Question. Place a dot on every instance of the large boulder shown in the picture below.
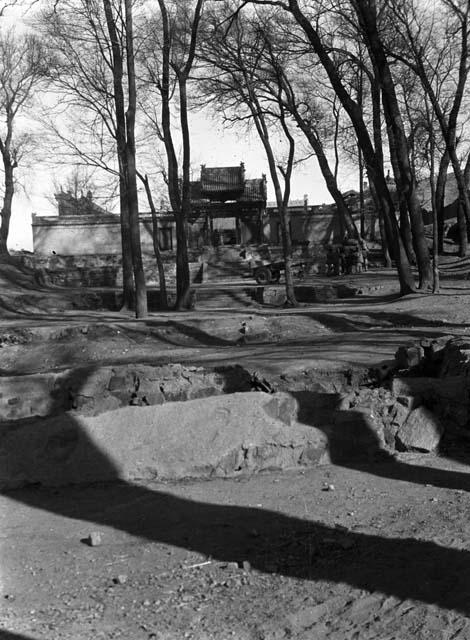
(421, 431)
(217, 436)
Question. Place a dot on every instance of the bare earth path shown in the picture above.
(372, 558)
(374, 552)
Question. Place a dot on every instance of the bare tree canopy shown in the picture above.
(21, 72)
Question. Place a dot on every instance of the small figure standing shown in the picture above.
(243, 331)
(365, 252)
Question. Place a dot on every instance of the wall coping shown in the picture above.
(89, 220)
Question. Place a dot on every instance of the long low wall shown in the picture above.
(104, 270)
(93, 235)
(206, 264)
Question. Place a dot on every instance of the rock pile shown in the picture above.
(432, 384)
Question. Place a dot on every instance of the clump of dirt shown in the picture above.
(15, 336)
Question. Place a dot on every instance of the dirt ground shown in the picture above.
(353, 551)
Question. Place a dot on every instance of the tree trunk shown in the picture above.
(362, 212)
(432, 184)
(464, 196)
(7, 203)
(329, 177)
(126, 243)
(374, 170)
(379, 154)
(366, 14)
(405, 227)
(462, 227)
(449, 125)
(180, 210)
(466, 172)
(156, 245)
(132, 197)
(128, 303)
(440, 198)
(383, 235)
(183, 281)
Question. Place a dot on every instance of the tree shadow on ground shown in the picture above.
(289, 546)
(8, 635)
(380, 320)
(270, 541)
(354, 444)
(197, 335)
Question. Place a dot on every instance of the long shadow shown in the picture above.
(353, 444)
(282, 544)
(271, 541)
(379, 319)
(197, 335)
(9, 635)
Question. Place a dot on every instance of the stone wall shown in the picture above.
(206, 264)
(103, 270)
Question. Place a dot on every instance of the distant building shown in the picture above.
(229, 207)
(68, 205)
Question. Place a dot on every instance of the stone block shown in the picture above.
(409, 357)
(398, 413)
(118, 383)
(220, 436)
(422, 431)
(411, 386)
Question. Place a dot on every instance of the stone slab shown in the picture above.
(455, 388)
(217, 436)
(422, 430)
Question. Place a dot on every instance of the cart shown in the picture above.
(265, 272)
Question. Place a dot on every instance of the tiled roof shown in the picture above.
(254, 191)
(223, 184)
(222, 179)
(69, 205)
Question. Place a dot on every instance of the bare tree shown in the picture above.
(169, 57)
(21, 73)
(370, 28)
(125, 134)
(91, 62)
(155, 239)
(310, 26)
(246, 85)
(441, 62)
